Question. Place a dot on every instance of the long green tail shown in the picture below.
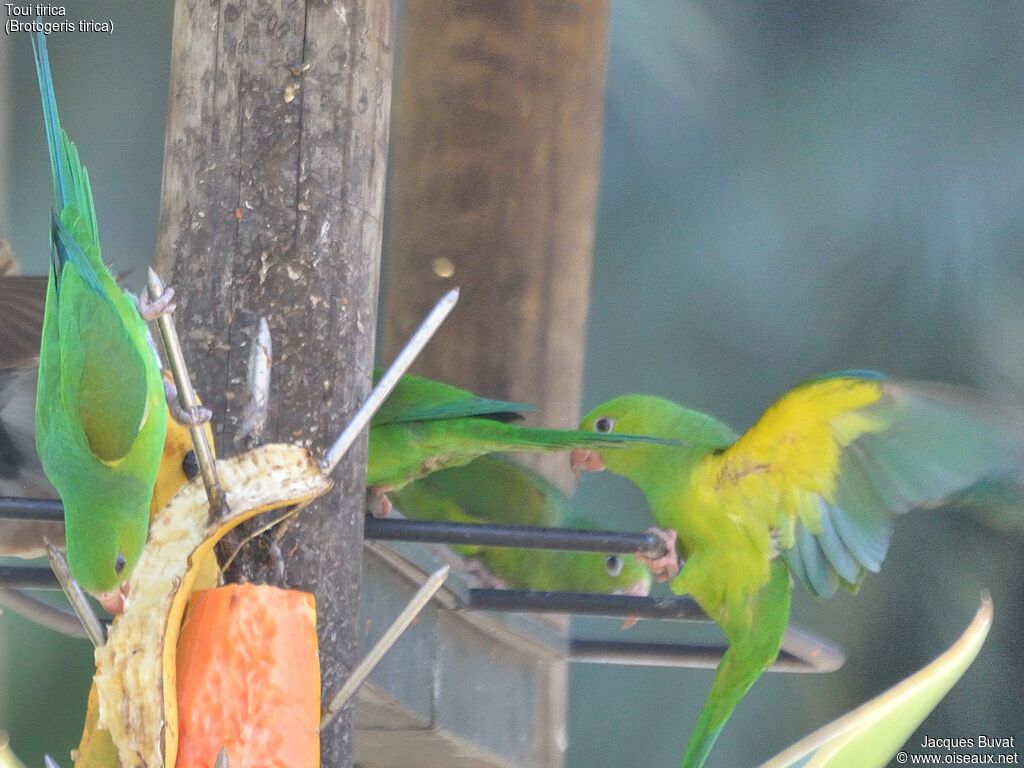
(748, 656)
(75, 233)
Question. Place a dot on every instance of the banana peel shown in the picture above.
(135, 669)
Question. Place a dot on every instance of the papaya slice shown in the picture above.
(249, 678)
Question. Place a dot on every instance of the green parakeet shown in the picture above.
(425, 426)
(100, 410)
(494, 489)
(818, 480)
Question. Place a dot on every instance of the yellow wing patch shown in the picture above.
(791, 455)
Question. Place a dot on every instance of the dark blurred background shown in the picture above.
(787, 189)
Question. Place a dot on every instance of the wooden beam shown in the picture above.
(495, 169)
(274, 168)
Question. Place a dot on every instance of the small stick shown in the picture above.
(93, 626)
(380, 393)
(222, 759)
(390, 378)
(187, 395)
(43, 614)
(388, 639)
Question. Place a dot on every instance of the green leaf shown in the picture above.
(869, 736)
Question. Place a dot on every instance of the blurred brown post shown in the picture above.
(495, 166)
(496, 159)
(274, 169)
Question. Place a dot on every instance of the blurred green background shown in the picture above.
(788, 188)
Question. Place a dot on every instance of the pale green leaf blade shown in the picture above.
(870, 735)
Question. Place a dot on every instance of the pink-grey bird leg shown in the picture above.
(192, 418)
(476, 568)
(380, 504)
(665, 567)
(151, 309)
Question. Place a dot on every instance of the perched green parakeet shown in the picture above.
(100, 410)
(494, 489)
(426, 425)
(818, 479)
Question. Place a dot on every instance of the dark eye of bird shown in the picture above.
(613, 564)
(190, 465)
(604, 424)
(119, 563)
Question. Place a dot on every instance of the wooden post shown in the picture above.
(274, 169)
(495, 164)
(494, 187)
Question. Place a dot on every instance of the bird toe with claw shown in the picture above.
(380, 505)
(664, 567)
(193, 418)
(151, 309)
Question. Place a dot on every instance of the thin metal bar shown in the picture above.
(668, 654)
(382, 646)
(187, 395)
(517, 536)
(43, 613)
(15, 577)
(390, 378)
(690, 656)
(90, 621)
(41, 510)
(584, 604)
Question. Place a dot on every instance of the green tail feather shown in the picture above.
(750, 652)
(75, 232)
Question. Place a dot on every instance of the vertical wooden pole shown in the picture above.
(274, 170)
(495, 164)
(494, 187)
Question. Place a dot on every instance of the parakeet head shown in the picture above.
(651, 417)
(604, 574)
(102, 559)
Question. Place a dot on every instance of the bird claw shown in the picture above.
(476, 569)
(665, 567)
(152, 309)
(380, 505)
(193, 418)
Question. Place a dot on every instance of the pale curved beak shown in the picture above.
(114, 602)
(640, 589)
(582, 460)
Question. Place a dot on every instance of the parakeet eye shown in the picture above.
(604, 424)
(613, 564)
(190, 465)
(119, 563)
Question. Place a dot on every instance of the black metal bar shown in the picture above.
(515, 536)
(16, 577)
(826, 659)
(584, 604)
(45, 510)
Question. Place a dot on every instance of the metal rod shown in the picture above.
(390, 378)
(41, 510)
(187, 395)
(690, 656)
(382, 646)
(15, 577)
(93, 626)
(517, 536)
(43, 613)
(585, 604)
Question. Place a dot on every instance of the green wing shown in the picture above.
(418, 399)
(938, 441)
(496, 490)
